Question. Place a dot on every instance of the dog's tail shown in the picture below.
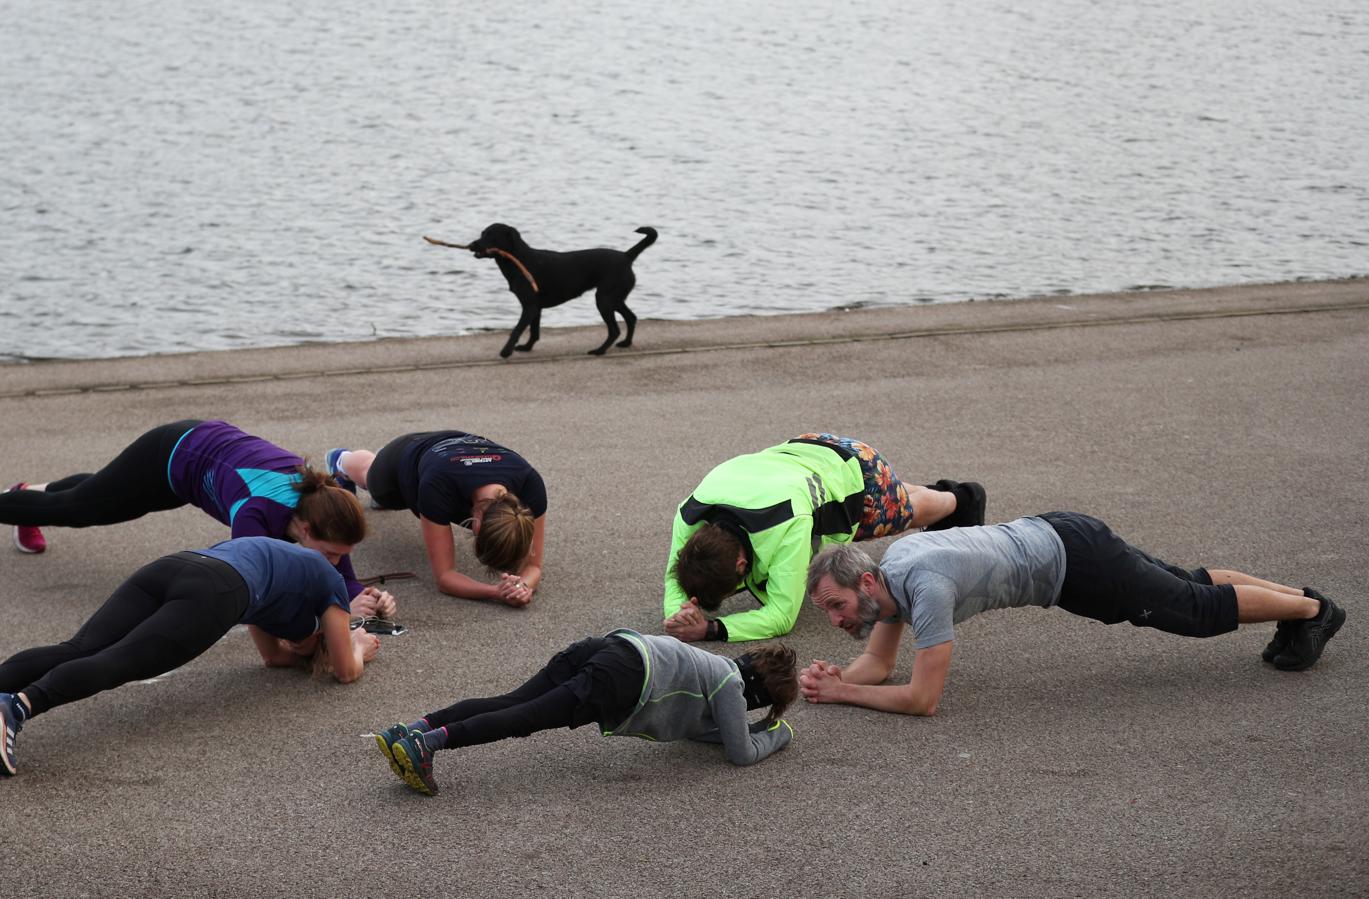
(642, 244)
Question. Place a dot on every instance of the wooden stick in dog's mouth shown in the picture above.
(521, 267)
(442, 243)
(505, 253)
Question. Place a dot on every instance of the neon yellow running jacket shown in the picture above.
(788, 500)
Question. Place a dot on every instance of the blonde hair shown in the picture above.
(505, 536)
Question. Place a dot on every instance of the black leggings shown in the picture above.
(1109, 580)
(169, 612)
(599, 679)
(134, 484)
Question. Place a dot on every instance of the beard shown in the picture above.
(867, 609)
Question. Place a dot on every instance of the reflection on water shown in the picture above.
(185, 176)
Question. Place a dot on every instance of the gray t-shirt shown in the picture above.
(940, 578)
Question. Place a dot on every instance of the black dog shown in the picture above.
(545, 278)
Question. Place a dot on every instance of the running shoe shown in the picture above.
(1283, 633)
(970, 499)
(331, 464)
(416, 759)
(1308, 639)
(27, 538)
(386, 740)
(9, 726)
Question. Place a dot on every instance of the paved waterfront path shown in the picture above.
(1225, 427)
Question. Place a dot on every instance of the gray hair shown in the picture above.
(844, 563)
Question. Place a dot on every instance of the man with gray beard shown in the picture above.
(933, 580)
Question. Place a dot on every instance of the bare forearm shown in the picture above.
(346, 674)
(867, 668)
(273, 653)
(454, 583)
(531, 574)
(898, 698)
(282, 658)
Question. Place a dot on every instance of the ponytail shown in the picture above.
(333, 514)
(505, 536)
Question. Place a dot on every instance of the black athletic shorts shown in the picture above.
(605, 673)
(382, 481)
(1111, 581)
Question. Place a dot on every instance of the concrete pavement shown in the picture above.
(1222, 427)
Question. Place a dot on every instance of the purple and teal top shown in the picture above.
(243, 481)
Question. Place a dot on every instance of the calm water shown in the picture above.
(183, 175)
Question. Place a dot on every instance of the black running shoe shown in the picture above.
(1279, 642)
(1285, 628)
(1307, 639)
(970, 499)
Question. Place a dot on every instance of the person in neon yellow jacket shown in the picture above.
(755, 521)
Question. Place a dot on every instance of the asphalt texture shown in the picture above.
(1221, 427)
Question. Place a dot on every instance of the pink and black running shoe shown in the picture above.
(27, 538)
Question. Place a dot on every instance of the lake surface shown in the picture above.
(182, 176)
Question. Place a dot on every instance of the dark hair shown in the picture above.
(777, 666)
(706, 566)
(505, 534)
(333, 514)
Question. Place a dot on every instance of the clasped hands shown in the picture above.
(373, 603)
(369, 643)
(689, 624)
(819, 681)
(513, 590)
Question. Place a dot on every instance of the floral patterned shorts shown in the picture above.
(888, 510)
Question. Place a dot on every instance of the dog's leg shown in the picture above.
(510, 345)
(534, 332)
(614, 299)
(630, 320)
(606, 302)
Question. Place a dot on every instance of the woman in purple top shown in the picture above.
(249, 484)
(293, 602)
(454, 478)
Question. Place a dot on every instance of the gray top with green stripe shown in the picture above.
(690, 694)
